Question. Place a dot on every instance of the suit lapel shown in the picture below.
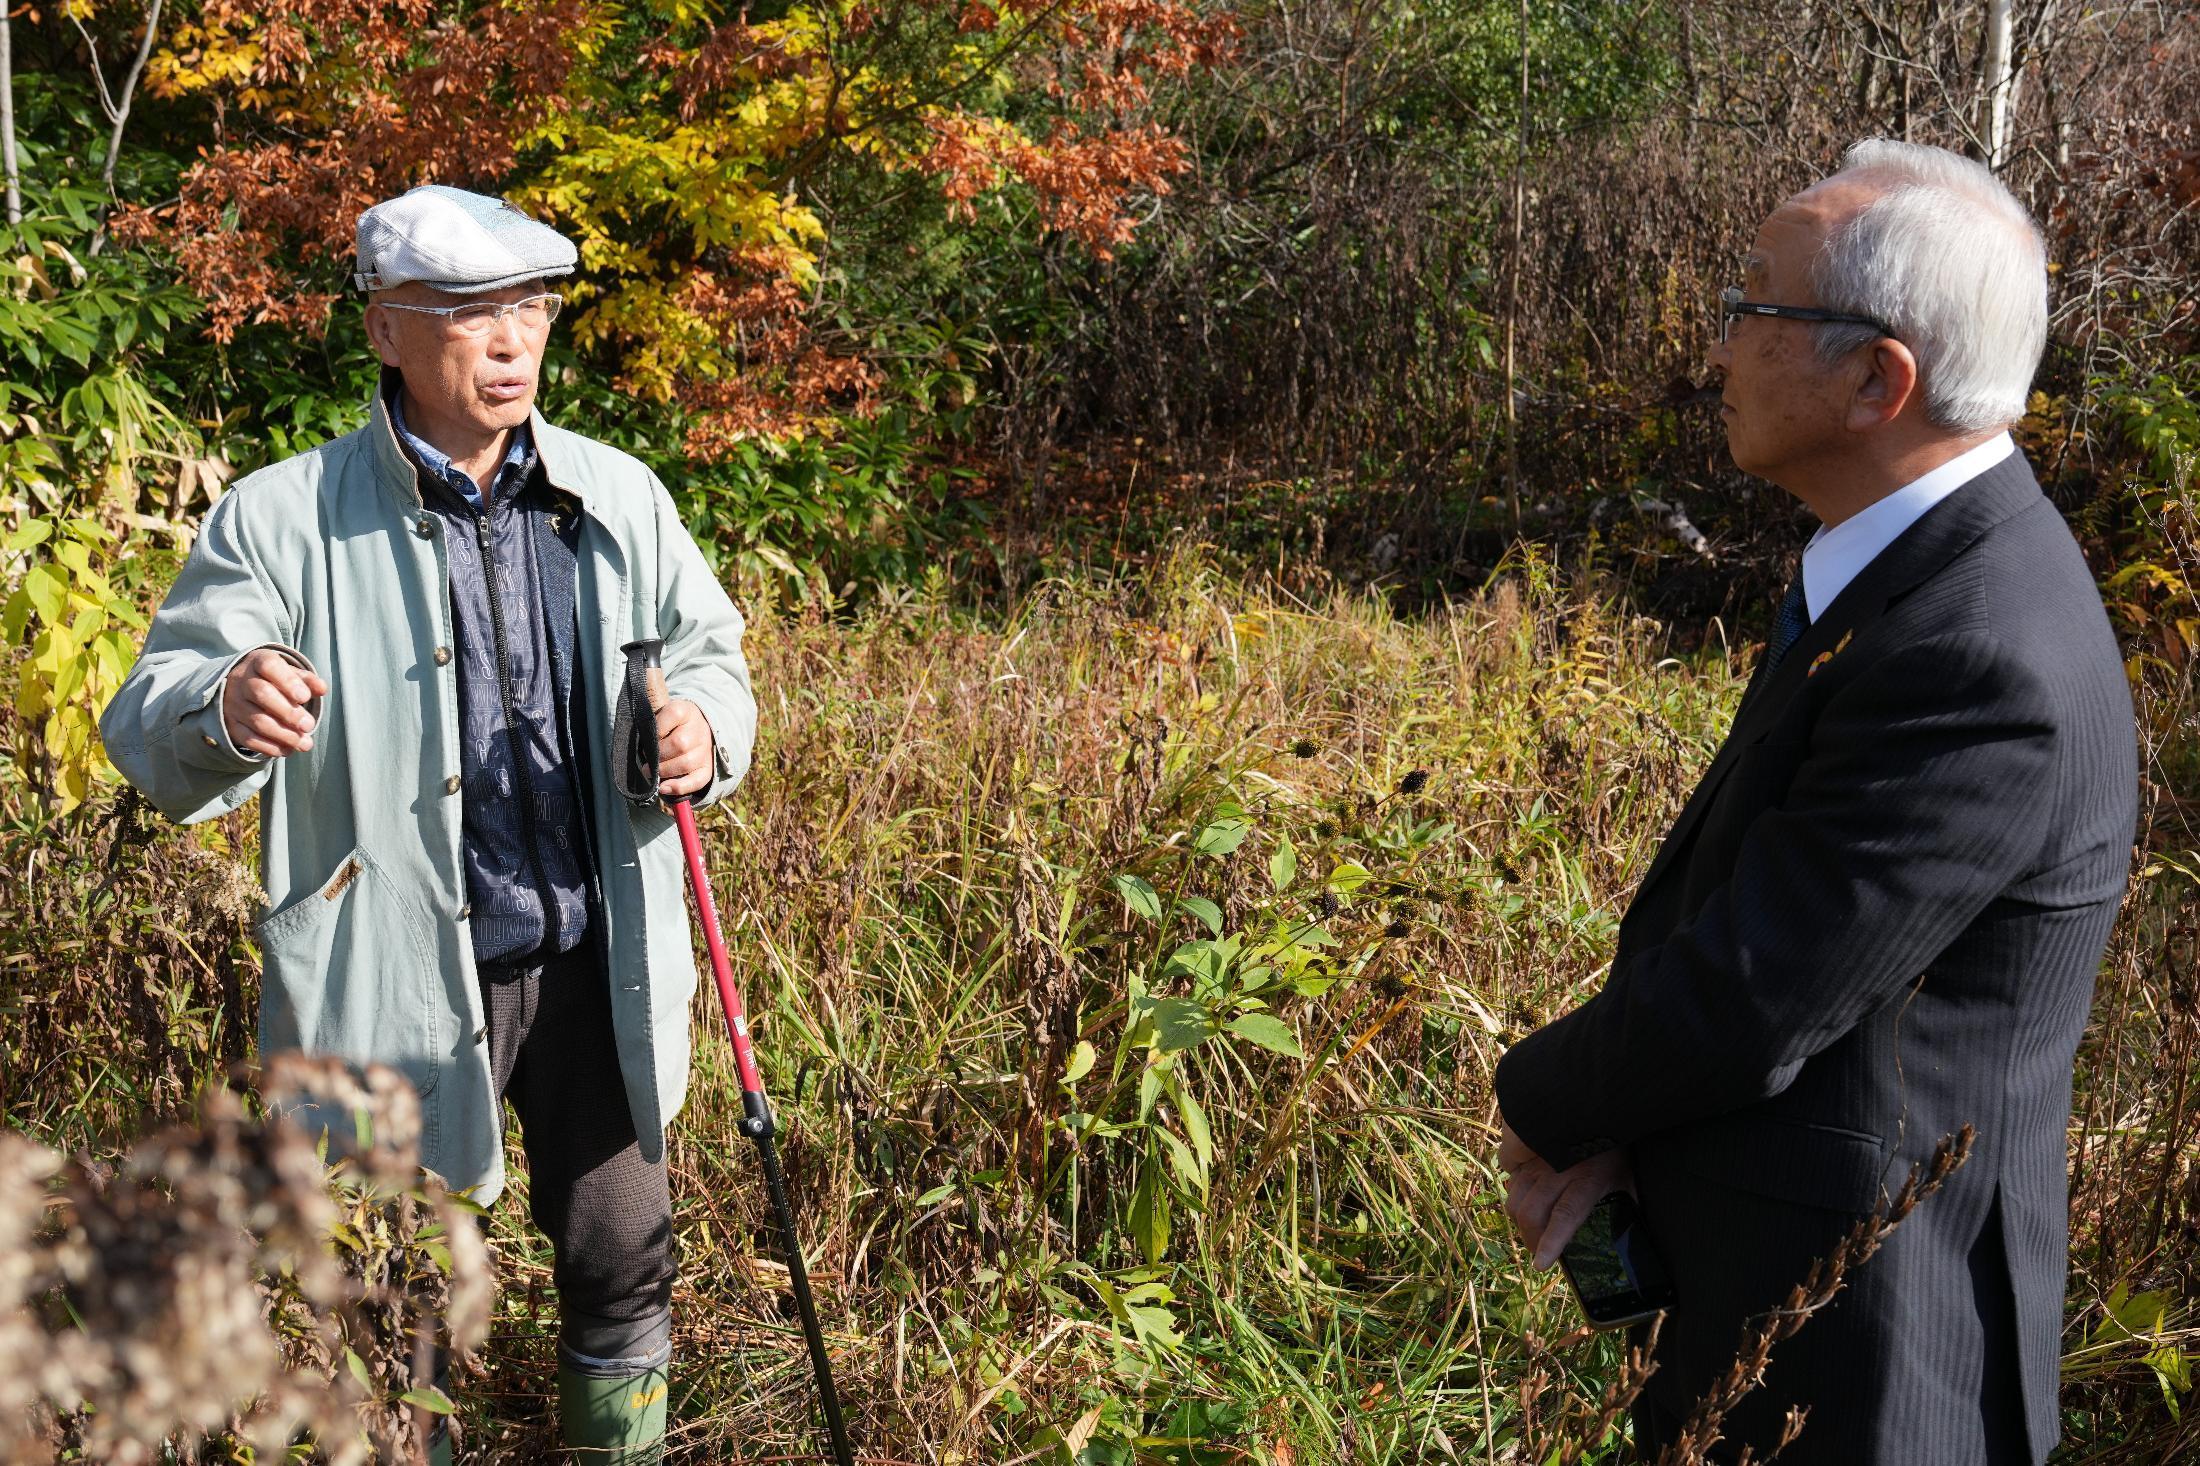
(1940, 534)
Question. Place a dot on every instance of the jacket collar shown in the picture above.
(1939, 535)
(395, 469)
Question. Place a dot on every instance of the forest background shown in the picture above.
(1242, 567)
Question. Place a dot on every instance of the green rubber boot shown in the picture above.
(439, 1449)
(613, 1422)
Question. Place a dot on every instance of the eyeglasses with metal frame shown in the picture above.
(1732, 305)
(480, 317)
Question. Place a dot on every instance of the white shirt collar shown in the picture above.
(1836, 556)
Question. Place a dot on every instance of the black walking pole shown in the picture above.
(636, 743)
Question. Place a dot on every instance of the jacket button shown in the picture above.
(208, 740)
(425, 528)
(466, 912)
(450, 785)
(481, 1035)
(442, 656)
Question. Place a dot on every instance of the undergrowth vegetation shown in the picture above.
(1130, 970)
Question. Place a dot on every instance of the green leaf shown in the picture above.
(1140, 897)
(1149, 1214)
(1349, 877)
(1269, 1031)
(48, 590)
(29, 535)
(1283, 866)
(428, 1397)
(1222, 837)
(1195, 1125)
(1202, 960)
(936, 1195)
(1080, 1062)
(360, 1372)
(1184, 1163)
(1179, 1024)
(1205, 910)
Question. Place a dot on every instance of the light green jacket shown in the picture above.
(331, 558)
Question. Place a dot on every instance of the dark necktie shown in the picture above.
(1788, 624)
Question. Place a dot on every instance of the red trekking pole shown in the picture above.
(756, 1114)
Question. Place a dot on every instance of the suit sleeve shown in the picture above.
(1918, 803)
(163, 729)
(702, 653)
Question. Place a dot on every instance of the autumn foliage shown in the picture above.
(677, 144)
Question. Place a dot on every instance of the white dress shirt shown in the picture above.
(1836, 556)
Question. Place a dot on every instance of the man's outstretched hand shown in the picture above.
(684, 749)
(1549, 1206)
(264, 704)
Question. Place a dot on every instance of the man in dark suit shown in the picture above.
(1879, 917)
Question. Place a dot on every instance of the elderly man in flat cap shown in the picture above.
(409, 640)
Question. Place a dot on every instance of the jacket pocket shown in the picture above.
(1797, 1161)
(345, 970)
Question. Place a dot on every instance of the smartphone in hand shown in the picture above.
(1614, 1268)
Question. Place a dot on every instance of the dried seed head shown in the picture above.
(1397, 929)
(1328, 904)
(1325, 829)
(1391, 986)
(1414, 782)
(1303, 748)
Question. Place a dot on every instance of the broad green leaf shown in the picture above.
(48, 590)
(1269, 1031)
(1179, 1024)
(1349, 877)
(1080, 1062)
(1283, 866)
(1203, 960)
(1221, 837)
(29, 535)
(1140, 897)
(1205, 910)
(428, 1398)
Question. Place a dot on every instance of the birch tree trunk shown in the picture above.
(1999, 83)
(7, 120)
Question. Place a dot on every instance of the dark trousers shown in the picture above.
(606, 1210)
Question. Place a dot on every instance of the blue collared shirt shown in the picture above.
(524, 837)
(519, 458)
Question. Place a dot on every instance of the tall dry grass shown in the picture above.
(1130, 967)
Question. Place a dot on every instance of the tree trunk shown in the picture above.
(7, 120)
(119, 112)
(1997, 80)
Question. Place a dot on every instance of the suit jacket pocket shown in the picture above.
(1826, 1166)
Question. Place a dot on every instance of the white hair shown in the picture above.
(1948, 260)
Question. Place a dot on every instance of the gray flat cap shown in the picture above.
(456, 241)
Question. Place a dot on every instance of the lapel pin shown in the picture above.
(1824, 657)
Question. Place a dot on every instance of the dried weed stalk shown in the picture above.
(224, 1282)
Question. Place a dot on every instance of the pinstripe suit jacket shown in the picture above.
(1877, 920)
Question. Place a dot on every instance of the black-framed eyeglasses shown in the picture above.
(480, 317)
(1732, 305)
